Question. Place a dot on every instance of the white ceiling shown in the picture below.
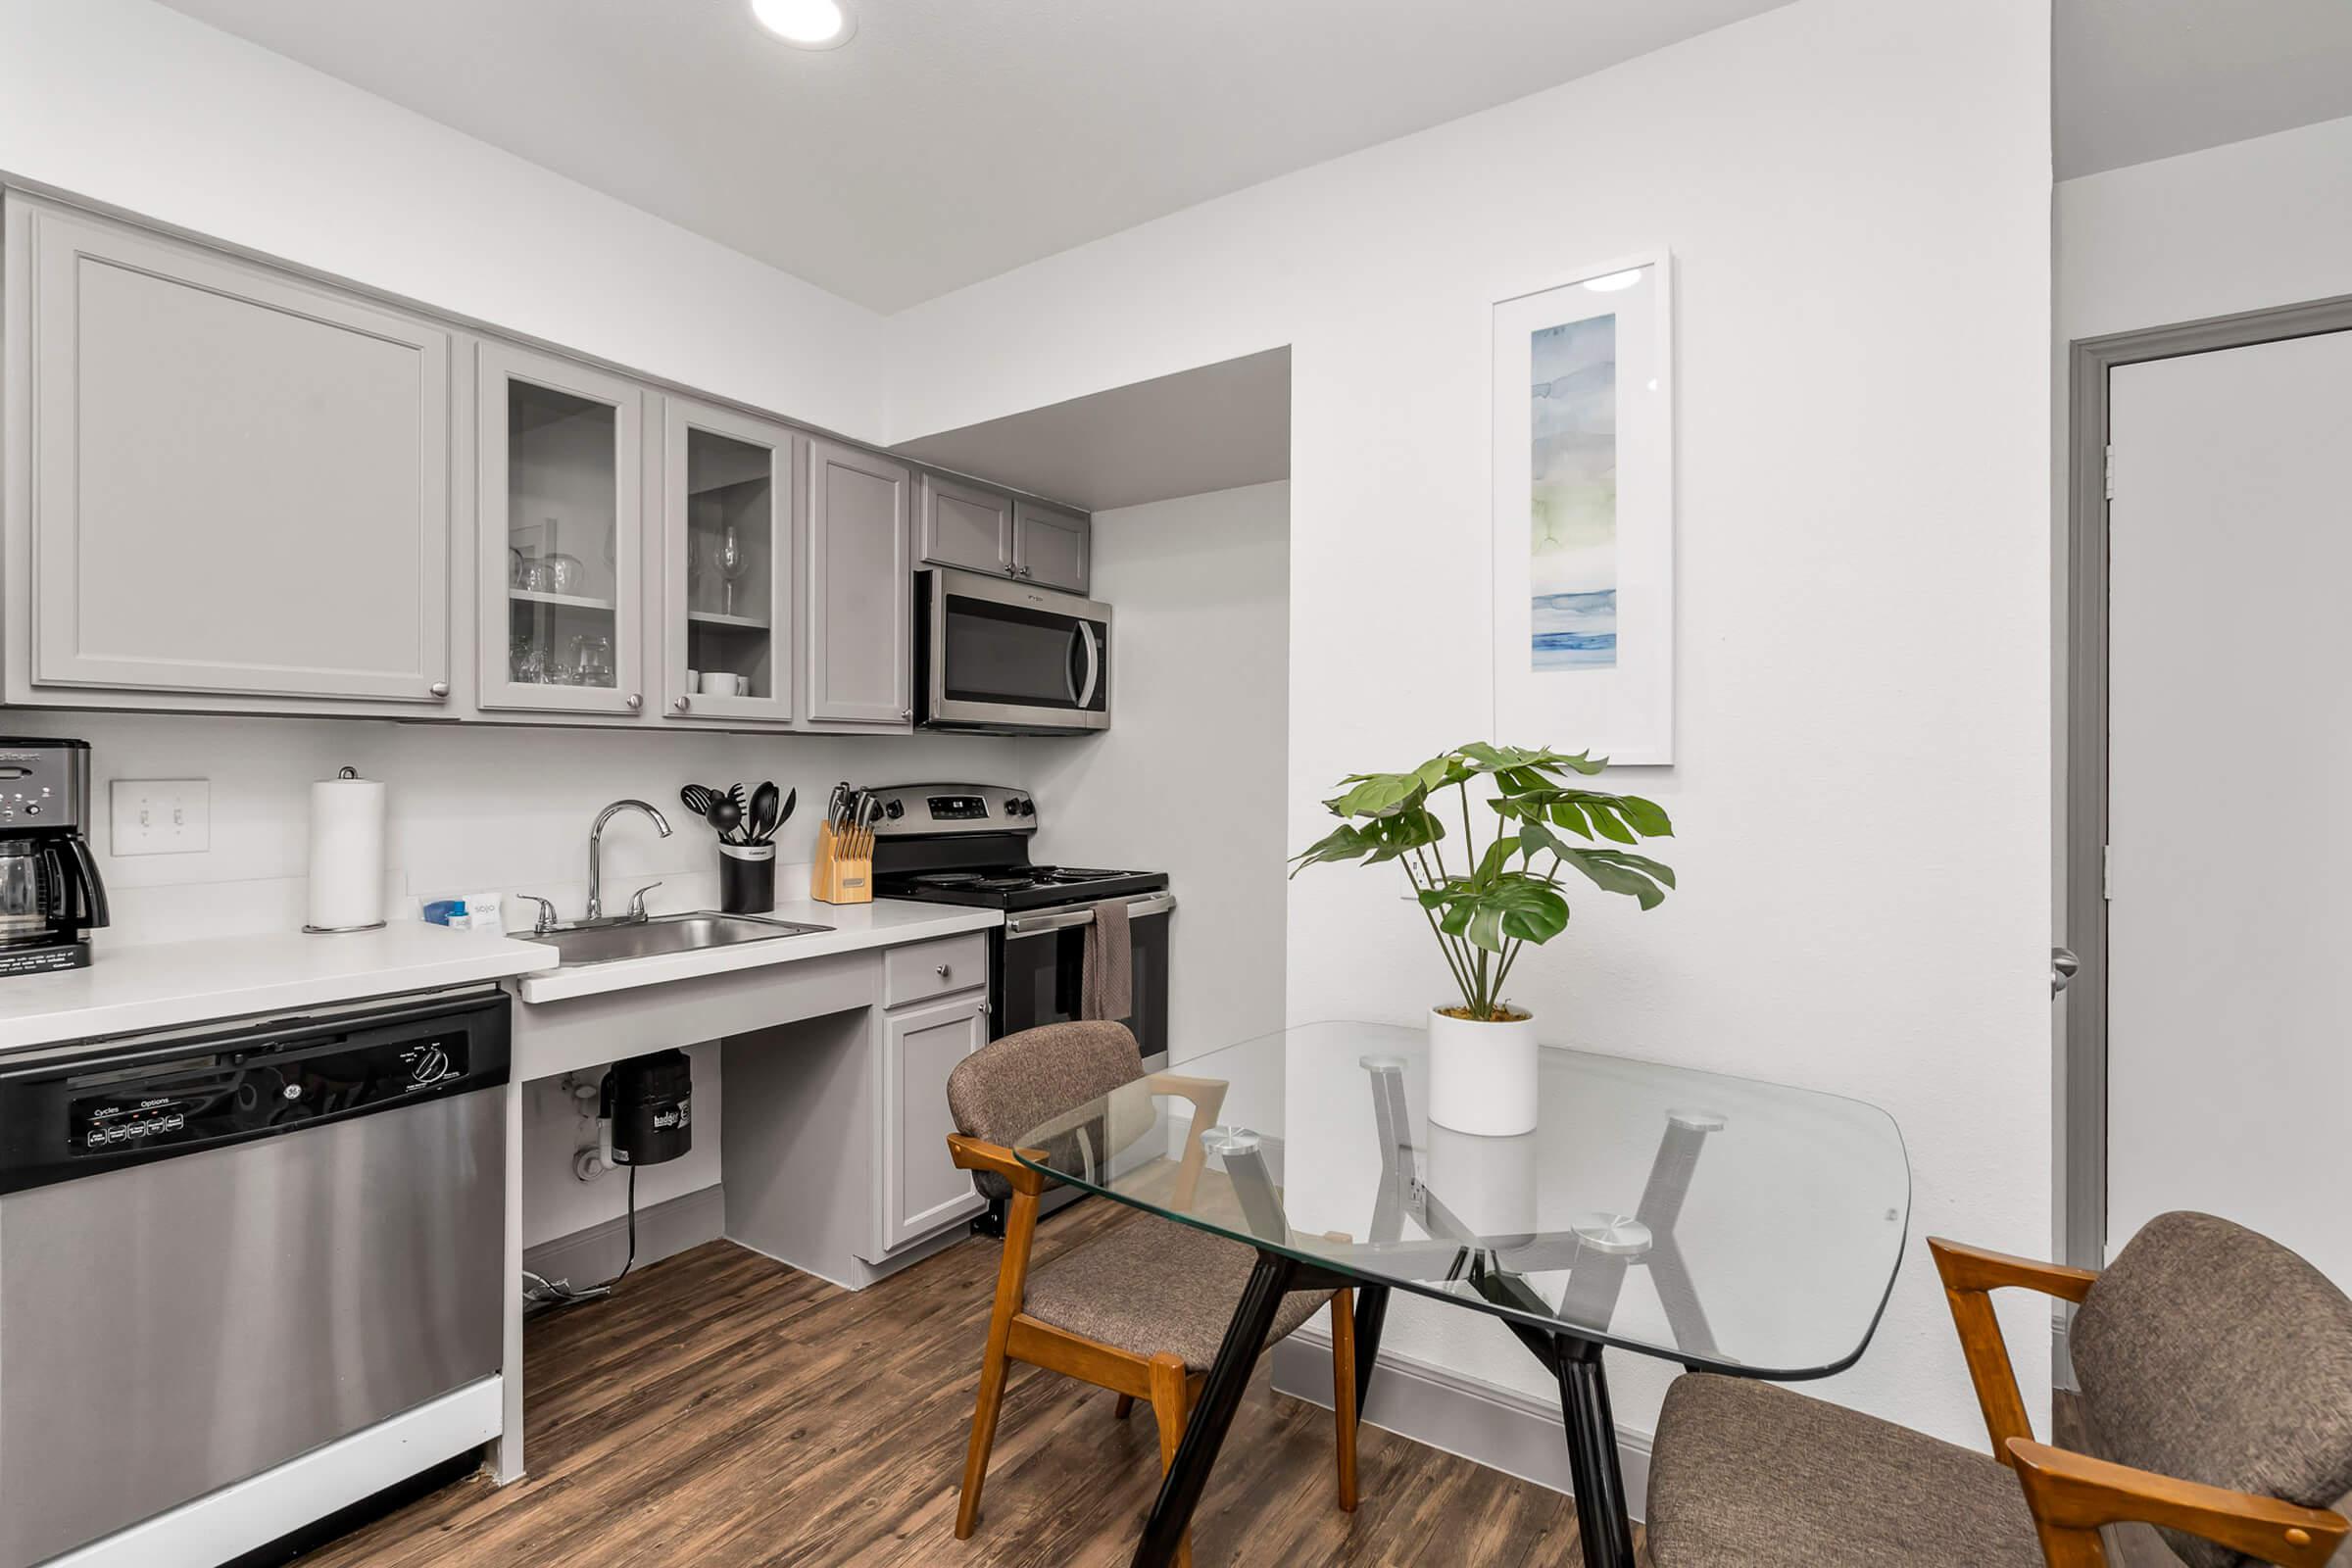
(950, 140)
(1214, 427)
(2142, 80)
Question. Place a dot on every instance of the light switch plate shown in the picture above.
(162, 816)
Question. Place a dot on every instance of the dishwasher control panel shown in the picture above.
(100, 1110)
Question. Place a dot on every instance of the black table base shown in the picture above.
(1602, 1525)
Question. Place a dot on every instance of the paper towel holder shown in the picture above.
(335, 930)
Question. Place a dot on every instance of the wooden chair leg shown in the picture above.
(1343, 1391)
(993, 1367)
(1012, 1276)
(1122, 1407)
(1171, 1405)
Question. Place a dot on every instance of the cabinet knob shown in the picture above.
(943, 971)
(906, 712)
(636, 701)
(680, 704)
(439, 687)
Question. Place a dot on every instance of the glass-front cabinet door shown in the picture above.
(726, 566)
(562, 600)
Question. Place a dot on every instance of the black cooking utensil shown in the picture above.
(725, 815)
(763, 813)
(697, 798)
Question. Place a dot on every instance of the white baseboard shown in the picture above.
(236, 1519)
(1482, 1422)
(665, 1229)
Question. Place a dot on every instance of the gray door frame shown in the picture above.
(2088, 363)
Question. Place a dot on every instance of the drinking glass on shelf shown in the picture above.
(734, 560)
(592, 660)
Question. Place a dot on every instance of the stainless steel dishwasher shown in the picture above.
(223, 1248)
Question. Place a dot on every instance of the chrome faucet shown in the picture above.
(596, 851)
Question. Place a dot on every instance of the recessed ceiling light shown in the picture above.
(1611, 282)
(805, 24)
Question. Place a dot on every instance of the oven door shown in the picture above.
(1041, 965)
(1006, 657)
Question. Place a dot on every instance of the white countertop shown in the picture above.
(856, 927)
(165, 984)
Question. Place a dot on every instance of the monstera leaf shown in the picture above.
(1507, 896)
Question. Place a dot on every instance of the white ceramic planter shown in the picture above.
(1482, 1076)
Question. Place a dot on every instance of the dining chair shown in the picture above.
(1139, 1310)
(2215, 1373)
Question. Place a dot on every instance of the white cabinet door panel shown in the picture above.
(921, 1190)
(240, 479)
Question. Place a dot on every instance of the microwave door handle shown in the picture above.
(92, 892)
(1094, 664)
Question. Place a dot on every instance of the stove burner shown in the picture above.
(946, 879)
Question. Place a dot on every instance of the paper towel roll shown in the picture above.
(347, 853)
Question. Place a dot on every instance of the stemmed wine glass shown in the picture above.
(734, 560)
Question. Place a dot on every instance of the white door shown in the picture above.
(2229, 921)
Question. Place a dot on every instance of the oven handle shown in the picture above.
(1033, 925)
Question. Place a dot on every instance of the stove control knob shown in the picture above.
(894, 811)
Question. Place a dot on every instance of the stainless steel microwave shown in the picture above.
(1008, 657)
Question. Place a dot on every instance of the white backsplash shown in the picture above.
(472, 808)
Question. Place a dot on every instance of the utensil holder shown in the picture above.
(844, 870)
(747, 878)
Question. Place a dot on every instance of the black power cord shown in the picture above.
(541, 1294)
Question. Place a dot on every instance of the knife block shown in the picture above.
(843, 871)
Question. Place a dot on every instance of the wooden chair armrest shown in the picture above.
(2072, 1494)
(1970, 1275)
(1975, 1268)
(973, 1153)
(1207, 1096)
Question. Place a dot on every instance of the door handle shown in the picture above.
(2063, 965)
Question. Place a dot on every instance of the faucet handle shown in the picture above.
(546, 913)
(637, 900)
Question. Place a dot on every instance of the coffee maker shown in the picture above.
(50, 894)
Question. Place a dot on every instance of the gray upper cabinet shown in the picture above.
(962, 525)
(1049, 547)
(858, 653)
(237, 481)
(558, 505)
(728, 579)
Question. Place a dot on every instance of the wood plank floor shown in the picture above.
(725, 1410)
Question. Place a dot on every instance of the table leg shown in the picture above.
(1601, 1525)
(1220, 1396)
(1371, 1311)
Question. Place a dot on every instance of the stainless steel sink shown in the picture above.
(611, 942)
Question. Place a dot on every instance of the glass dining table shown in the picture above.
(1723, 1223)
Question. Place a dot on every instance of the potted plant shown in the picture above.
(1487, 906)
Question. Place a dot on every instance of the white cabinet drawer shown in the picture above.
(934, 969)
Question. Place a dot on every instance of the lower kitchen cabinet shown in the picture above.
(921, 1043)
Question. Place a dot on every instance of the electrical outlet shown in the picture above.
(162, 816)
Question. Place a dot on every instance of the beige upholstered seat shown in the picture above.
(2206, 1355)
(1749, 1475)
(1153, 1285)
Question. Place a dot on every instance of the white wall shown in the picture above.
(127, 102)
(1190, 778)
(1857, 196)
(2240, 227)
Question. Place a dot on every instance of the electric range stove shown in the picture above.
(968, 843)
